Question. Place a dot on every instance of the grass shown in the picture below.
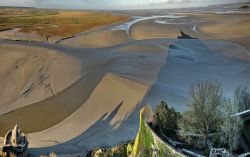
(165, 151)
(144, 140)
(147, 141)
(54, 22)
(144, 143)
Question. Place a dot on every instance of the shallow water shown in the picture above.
(126, 26)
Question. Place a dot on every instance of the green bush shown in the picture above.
(167, 118)
(216, 141)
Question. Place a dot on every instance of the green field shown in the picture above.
(54, 22)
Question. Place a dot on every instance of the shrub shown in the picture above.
(231, 126)
(216, 141)
(204, 116)
(167, 118)
(242, 98)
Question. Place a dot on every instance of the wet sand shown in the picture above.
(129, 83)
(30, 74)
(126, 68)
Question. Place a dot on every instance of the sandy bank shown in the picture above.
(16, 34)
(95, 64)
(31, 74)
(97, 39)
(110, 111)
(147, 30)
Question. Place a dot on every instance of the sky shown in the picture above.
(112, 4)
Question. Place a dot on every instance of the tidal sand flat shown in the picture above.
(105, 115)
(30, 74)
(192, 60)
(224, 26)
(97, 39)
(86, 89)
(106, 76)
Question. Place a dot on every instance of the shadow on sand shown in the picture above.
(94, 137)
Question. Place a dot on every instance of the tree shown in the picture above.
(242, 98)
(231, 126)
(204, 114)
(167, 118)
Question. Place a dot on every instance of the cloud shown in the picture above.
(16, 2)
(161, 4)
(108, 4)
